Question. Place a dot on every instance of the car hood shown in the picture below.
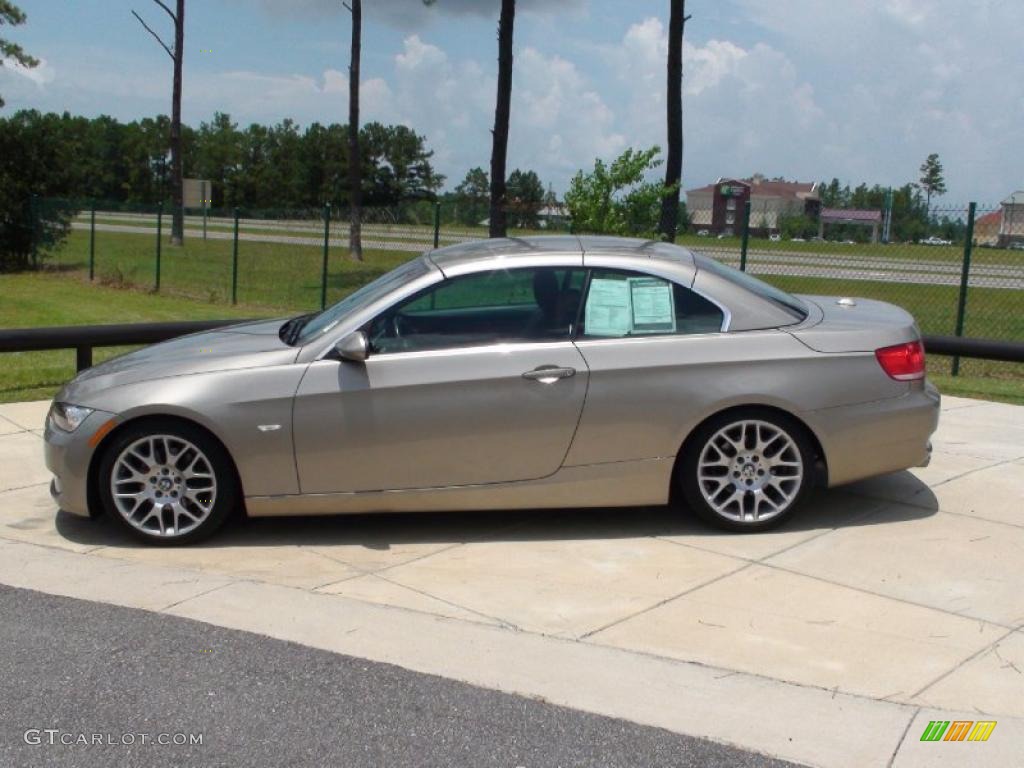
(249, 345)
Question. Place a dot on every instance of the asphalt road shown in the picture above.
(768, 262)
(79, 668)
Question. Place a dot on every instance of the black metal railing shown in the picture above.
(83, 338)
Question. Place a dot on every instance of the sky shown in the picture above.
(862, 90)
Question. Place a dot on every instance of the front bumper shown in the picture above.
(68, 455)
(876, 438)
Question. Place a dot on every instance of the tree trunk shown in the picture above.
(355, 163)
(177, 171)
(674, 103)
(502, 111)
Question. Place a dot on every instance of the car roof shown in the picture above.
(533, 249)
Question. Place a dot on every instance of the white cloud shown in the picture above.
(899, 79)
(42, 74)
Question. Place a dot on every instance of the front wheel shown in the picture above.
(747, 470)
(167, 482)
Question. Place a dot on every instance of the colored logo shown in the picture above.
(958, 730)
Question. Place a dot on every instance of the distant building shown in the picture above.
(554, 216)
(856, 216)
(986, 228)
(718, 207)
(1011, 229)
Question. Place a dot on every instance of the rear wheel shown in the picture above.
(747, 470)
(167, 482)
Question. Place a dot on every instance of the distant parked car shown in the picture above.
(935, 241)
(1016, 246)
(702, 233)
(848, 242)
(797, 240)
(775, 238)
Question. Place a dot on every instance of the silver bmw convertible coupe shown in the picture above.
(517, 373)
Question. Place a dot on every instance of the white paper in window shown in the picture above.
(608, 311)
(653, 305)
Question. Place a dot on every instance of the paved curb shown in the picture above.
(798, 723)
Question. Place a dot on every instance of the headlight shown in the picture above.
(68, 417)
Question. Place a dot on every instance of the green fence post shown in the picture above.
(234, 263)
(965, 272)
(327, 244)
(437, 223)
(746, 236)
(159, 233)
(92, 242)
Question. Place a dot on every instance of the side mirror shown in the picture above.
(354, 348)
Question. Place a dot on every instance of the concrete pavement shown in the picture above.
(833, 641)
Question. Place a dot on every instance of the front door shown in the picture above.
(473, 381)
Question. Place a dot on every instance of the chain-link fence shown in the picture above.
(964, 279)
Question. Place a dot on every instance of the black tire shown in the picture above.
(689, 481)
(225, 492)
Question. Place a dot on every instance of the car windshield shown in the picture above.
(323, 322)
(786, 301)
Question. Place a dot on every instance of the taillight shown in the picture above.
(903, 362)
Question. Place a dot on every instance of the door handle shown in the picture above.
(549, 374)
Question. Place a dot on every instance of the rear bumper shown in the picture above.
(876, 438)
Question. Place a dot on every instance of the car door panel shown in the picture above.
(437, 418)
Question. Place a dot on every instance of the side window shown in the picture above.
(509, 305)
(623, 304)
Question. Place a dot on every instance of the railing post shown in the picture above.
(437, 223)
(92, 242)
(965, 273)
(327, 244)
(83, 358)
(746, 236)
(234, 263)
(159, 236)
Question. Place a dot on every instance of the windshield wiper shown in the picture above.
(291, 329)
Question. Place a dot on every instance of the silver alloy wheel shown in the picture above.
(163, 485)
(750, 471)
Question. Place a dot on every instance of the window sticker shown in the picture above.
(609, 308)
(653, 305)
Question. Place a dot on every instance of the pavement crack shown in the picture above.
(972, 471)
(648, 609)
(176, 603)
(963, 662)
(23, 487)
(903, 736)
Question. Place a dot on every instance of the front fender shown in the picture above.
(249, 411)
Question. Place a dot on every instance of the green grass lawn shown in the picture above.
(269, 274)
(32, 299)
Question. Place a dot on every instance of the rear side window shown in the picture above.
(621, 304)
(779, 298)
